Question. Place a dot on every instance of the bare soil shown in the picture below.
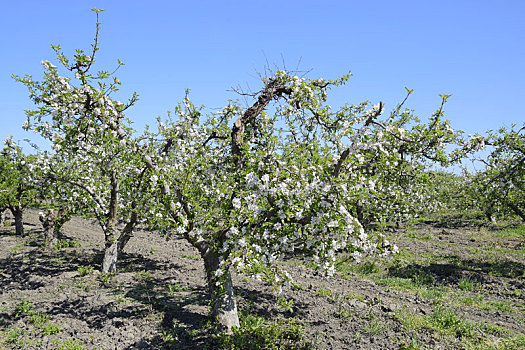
(158, 300)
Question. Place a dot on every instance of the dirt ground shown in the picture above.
(451, 287)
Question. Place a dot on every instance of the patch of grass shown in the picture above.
(374, 326)
(85, 270)
(25, 307)
(324, 292)
(511, 232)
(174, 288)
(425, 236)
(467, 284)
(257, 333)
(356, 296)
(50, 329)
(142, 276)
(70, 344)
(14, 334)
(106, 278)
(190, 256)
(67, 243)
(344, 312)
(398, 282)
(447, 321)
(504, 305)
(39, 319)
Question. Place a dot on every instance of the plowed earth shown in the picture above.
(452, 287)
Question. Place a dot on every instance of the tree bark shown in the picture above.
(19, 221)
(48, 221)
(2, 216)
(517, 210)
(115, 246)
(224, 306)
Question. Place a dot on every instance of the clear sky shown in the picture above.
(472, 49)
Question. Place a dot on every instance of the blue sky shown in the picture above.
(473, 50)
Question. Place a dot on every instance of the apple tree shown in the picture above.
(94, 159)
(287, 175)
(18, 182)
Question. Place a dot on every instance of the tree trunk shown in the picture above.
(19, 222)
(48, 221)
(224, 307)
(109, 264)
(115, 246)
(490, 216)
(2, 216)
(517, 210)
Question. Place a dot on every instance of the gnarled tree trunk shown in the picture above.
(48, 221)
(224, 306)
(52, 222)
(115, 245)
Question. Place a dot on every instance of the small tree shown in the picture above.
(95, 161)
(18, 182)
(501, 184)
(249, 186)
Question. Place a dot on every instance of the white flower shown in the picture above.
(236, 202)
(333, 223)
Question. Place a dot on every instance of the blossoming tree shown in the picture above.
(18, 182)
(94, 159)
(500, 186)
(249, 186)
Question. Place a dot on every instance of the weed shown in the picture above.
(25, 307)
(465, 283)
(374, 326)
(70, 344)
(324, 292)
(344, 312)
(50, 329)
(18, 248)
(39, 319)
(190, 256)
(285, 304)
(14, 334)
(297, 286)
(142, 276)
(85, 270)
(414, 344)
(106, 278)
(257, 333)
(175, 288)
(449, 322)
(66, 243)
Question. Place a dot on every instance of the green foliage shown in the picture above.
(70, 344)
(25, 307)
(66, 243)
(142, 276)
(257, 333)
(106, 278)
(466, 284)
(85, 270)
(50, 329)
(14, 334)
(324, 292)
